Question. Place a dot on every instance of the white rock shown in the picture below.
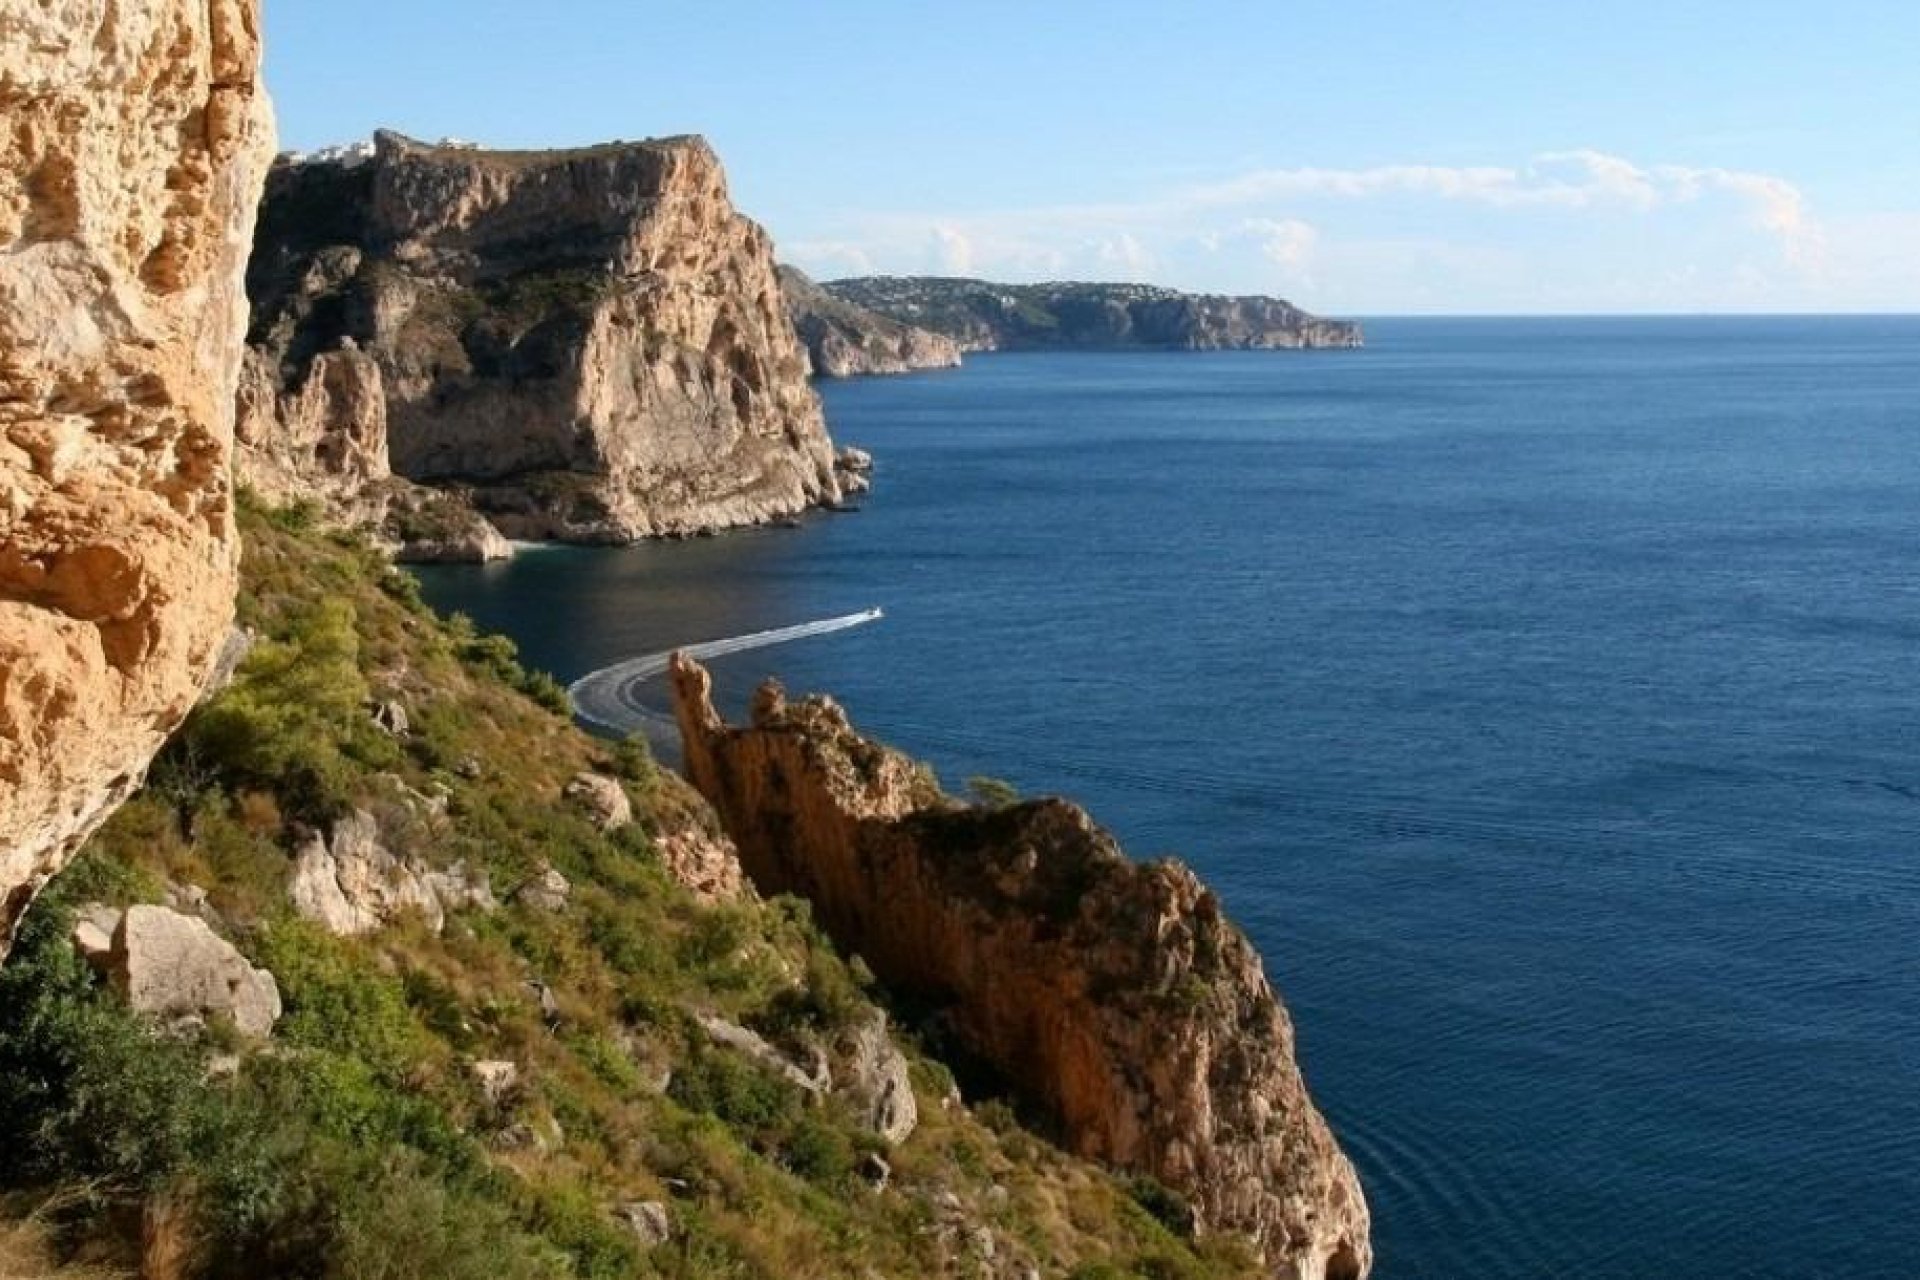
(176, 968)
(547, 890)
(498, 1080)
(603, 798)
(648, 1220)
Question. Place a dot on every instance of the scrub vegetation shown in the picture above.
(360, 1141)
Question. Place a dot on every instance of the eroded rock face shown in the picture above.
(130, 167)
(590, 344)
(860, 1065)
(350, 882)
(1114, 994)
(703, 861)
(844, 340)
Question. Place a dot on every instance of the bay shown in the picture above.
(1540, 695)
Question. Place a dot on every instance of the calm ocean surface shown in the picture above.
(1542, 696)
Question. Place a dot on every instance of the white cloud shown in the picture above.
(825, 259)
(1124, 253)
(1576, 179)
(1285, 242)
(1560, 230)
(951, 252)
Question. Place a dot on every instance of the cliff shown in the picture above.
(130, 166)
(1112, 994)
(587, 345)
(982, 316)
(844, 340)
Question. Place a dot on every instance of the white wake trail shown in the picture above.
(610, 697)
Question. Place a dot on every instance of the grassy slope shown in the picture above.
(359, 1144)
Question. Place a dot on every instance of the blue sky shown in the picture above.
(1361, 158)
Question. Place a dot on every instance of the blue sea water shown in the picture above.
(1542, 696)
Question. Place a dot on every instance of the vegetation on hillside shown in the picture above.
(360, 1142)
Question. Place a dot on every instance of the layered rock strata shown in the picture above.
(982, 316)
(130, 167)
(1113, 994)
(844, 340)
(589, 345)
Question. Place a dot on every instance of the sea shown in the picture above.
(1542, 696)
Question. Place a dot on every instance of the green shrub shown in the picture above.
(992, 793)
(90, 1093)
(1168, 1207)
(819, 1152)
(339, 1001)
(633, 759)
(740, 1093)
(294, 719)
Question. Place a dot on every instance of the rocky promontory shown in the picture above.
(1112, 995)
(587, 345)
(844, 340)
(129, 170)
(980, 315)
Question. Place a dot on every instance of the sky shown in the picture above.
(1361, 158)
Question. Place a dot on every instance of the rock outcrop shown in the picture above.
(982, 316)
(350, 882)
(1113, 994)
(702, 861)
(586, 345)
(860, 1065)
(176, 969)
(602, 799)
(130, 166)
(844, 340)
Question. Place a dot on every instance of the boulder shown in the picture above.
(814, 1077)
(602, 798)
(93, 928)
(871, 1073)
(390, 716)
(704, 861)
(545, 890)
(648, 1220)
(175, 968)
(499, 1081)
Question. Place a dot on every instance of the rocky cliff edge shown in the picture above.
(588, 345)
(1112, 994)
(130, 167)
(845, 341)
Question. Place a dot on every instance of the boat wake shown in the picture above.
(611, 696)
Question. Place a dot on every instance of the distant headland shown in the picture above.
(943, 316)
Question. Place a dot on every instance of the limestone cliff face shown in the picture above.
(982, 316)
(590, 344)
(130, 168)
(845, 341)
(1113, 993)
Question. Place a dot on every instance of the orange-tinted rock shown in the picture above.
(1113, 994)
(130, 166)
